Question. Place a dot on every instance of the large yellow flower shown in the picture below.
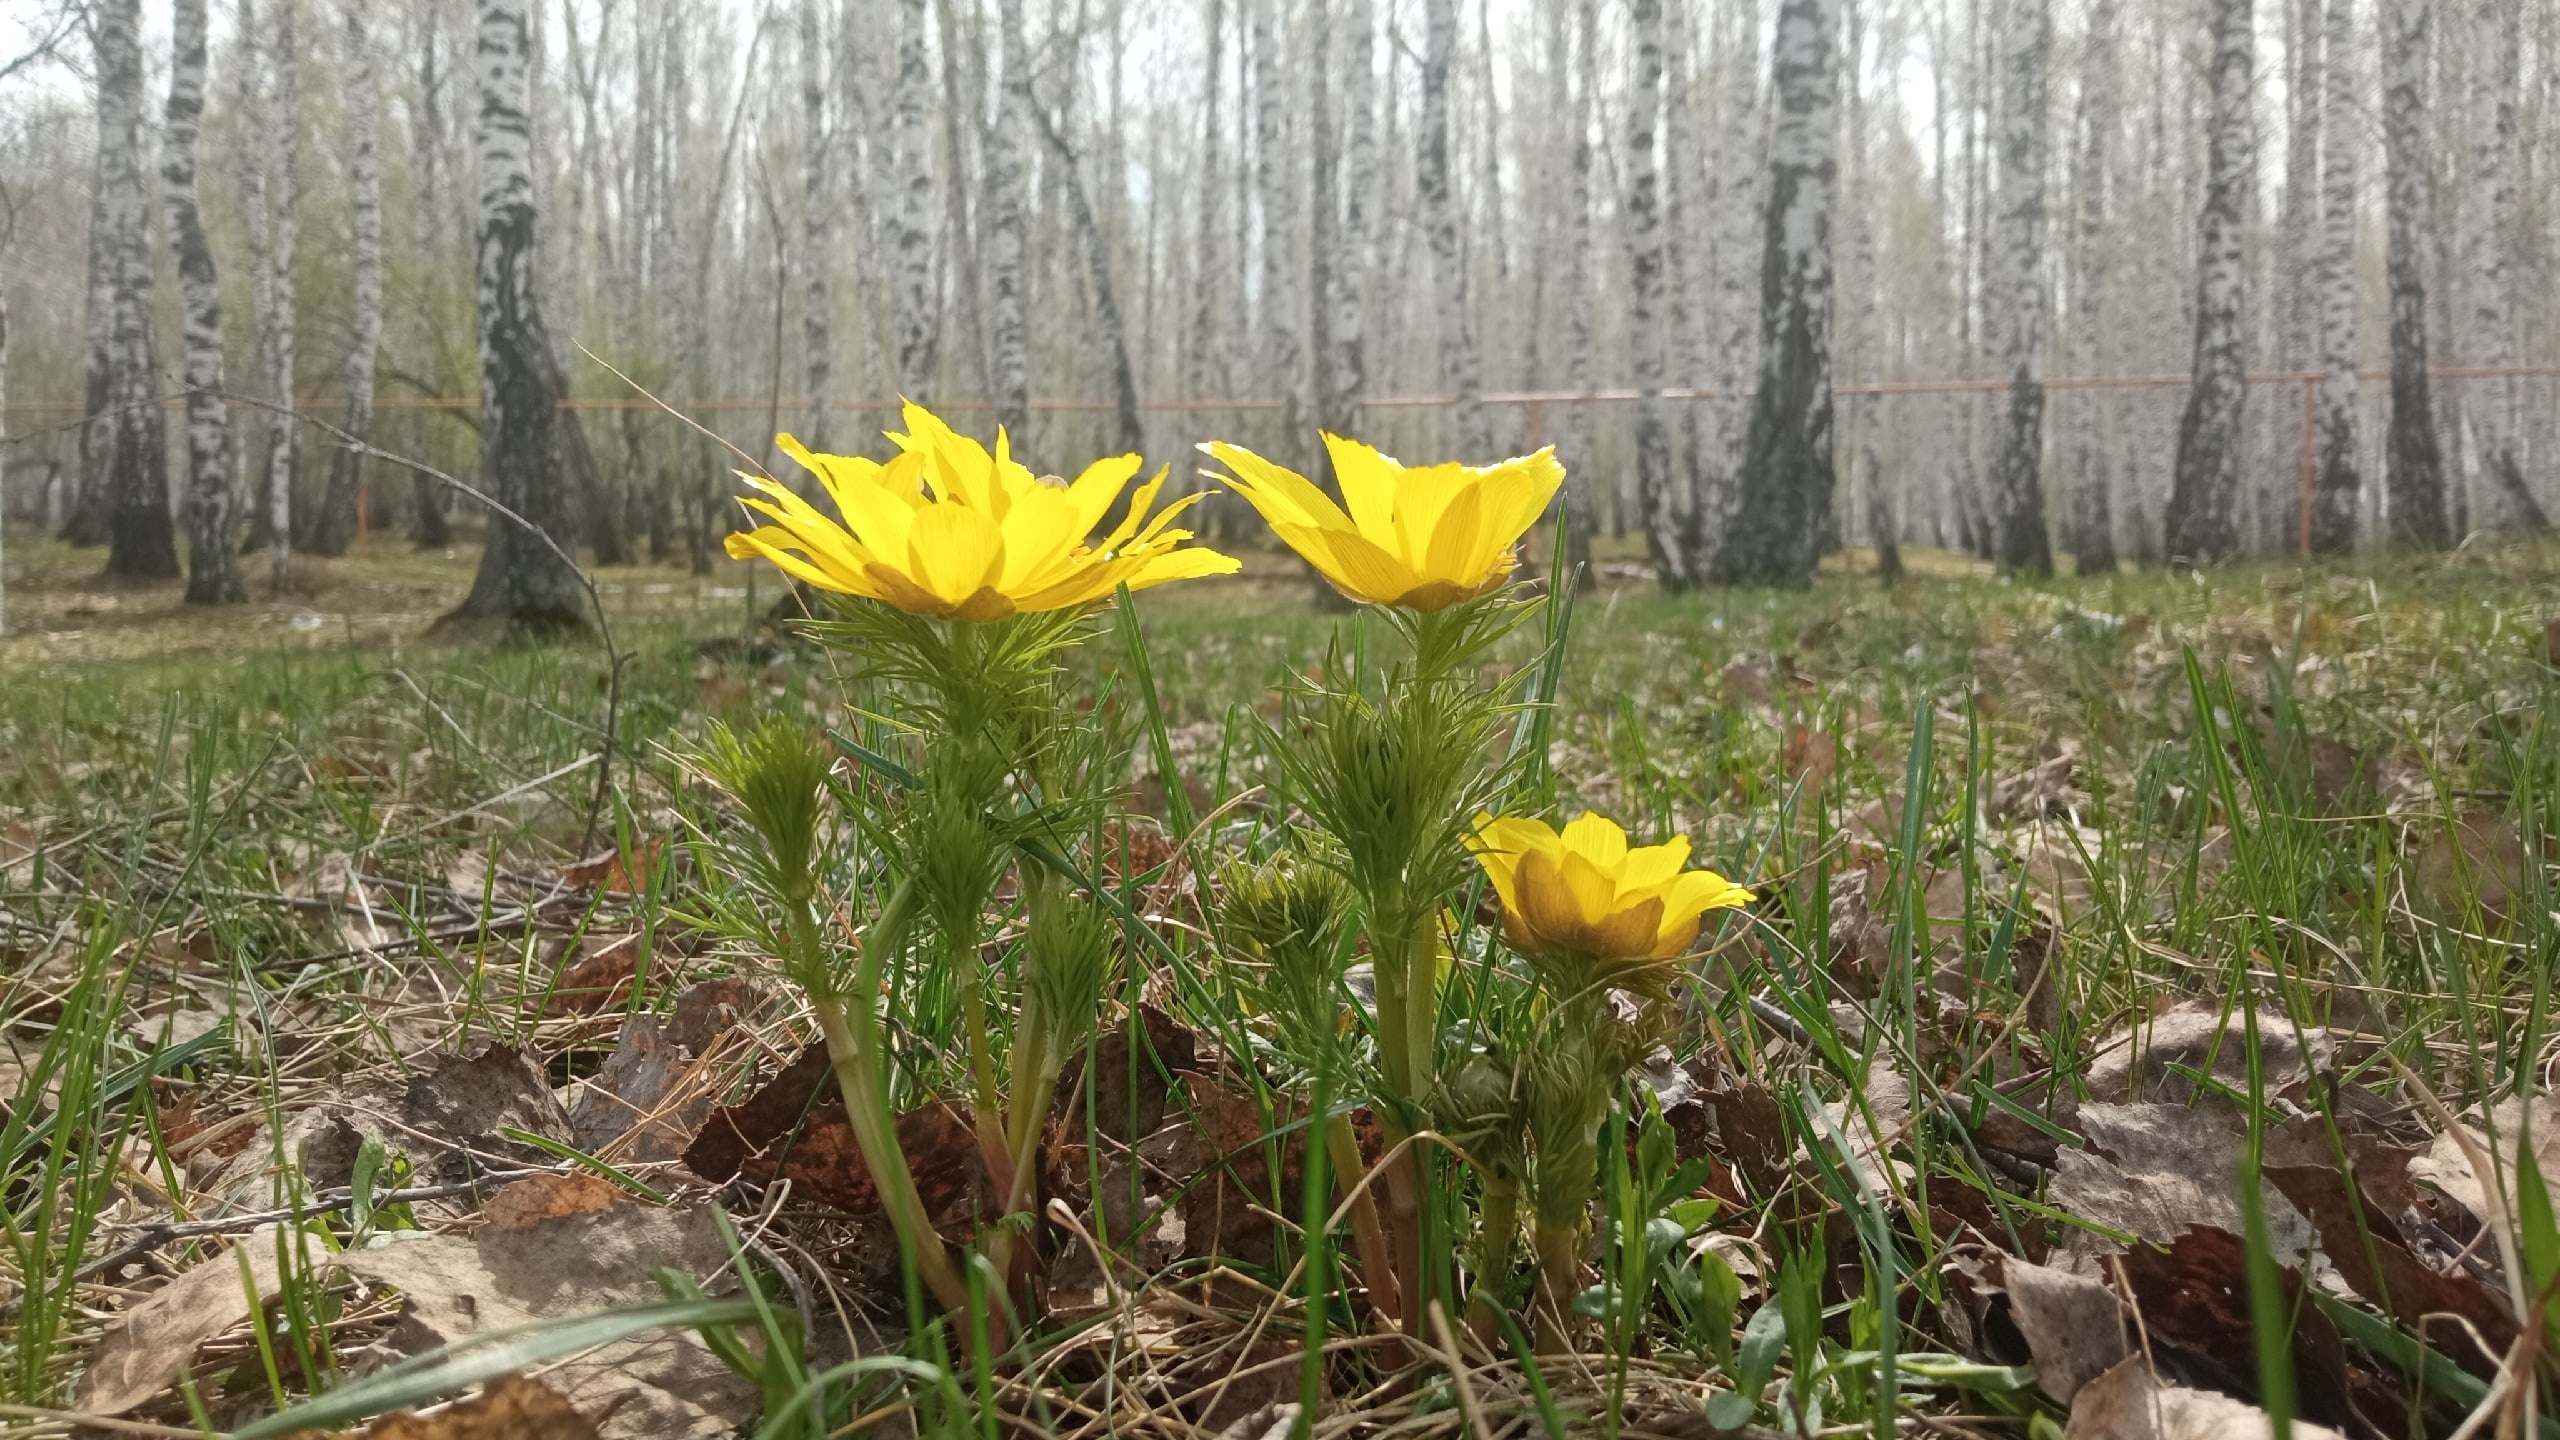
(947, 529)
(1585, 893)
(1424, 537)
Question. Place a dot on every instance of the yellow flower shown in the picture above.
(1424, 538)
(946, 529)
(1585, 893)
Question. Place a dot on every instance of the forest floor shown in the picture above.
(2171, 1052)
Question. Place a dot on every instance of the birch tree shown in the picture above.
(1576, 66)
(2487, 220)
(2206, 481)
(817, 224)
(335, 526)
(213, 567)
(86, 524)
(2337, 487)
(141, 544)
(1282, 356)
(2413, 474)
(1460, 369)
(522, 582)
(1654, 511)
(1008, 204)
(2092, 512)
(282, 191)
(1785, 491)
(2018, 285)
(1207, 370)
(1346, 364)
(918, 323)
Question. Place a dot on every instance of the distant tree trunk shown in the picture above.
(1859, 277)
(1576, 63)
(1282, 357)
(1207, 372)
(1732, 316)
(213, 566)
(2488, 221)
(2201, 530)
(427, 142)
(1654, 511)
(817, 224)
(521, 583)
(1776, 531)
(284, 230)
(2338, 487)
(1460, 368)
(2018, 469)
(141, 543)
(87, 522)
(1347, 358)
(2092, 524)
(1008, 205)
(335, 528)
(2413, 479)
(2299, 316)
(918, 323)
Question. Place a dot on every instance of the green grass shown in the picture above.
(187, 812)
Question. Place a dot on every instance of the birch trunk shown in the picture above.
(2092, 523)
(87, 522)
(817, 225)
(2200, 524)
(1776, 532)
(336, 525)
(2338, 485)
(1579, 77)
(2018, 469)
(1347, 358)
(521, 583)
(1207, 371)
(2299, 318)
(2413, 476)
(1283, 361)
(213, 566)
(918, 325)
(427, 144)
(1654, 512)
(1460, 369)
(284, 229)
(1130, 427)
(1733, 319)
(141, 542)
(2488, 216)
(1007, 216)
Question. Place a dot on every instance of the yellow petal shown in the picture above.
(767, 544)
(1456, 551)
(1092, 492)
(1368, 480)
(1634, 930)
(1651, 868)
(1547, 907)
(954, 551)
(1594, 895)
(1282, 495)
(1596, 838)
(1356, 567)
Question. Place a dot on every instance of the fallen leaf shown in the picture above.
(2377, 1263)
(823, 1161)
(2446, 1167)
(2551, 644)
(1136, 1066)
(1745, 682)
(600, 978)
(2479, 859)
(523, 1204)
(734, 1132)
(2050, 790)
(666, 1383)
(616, 871)
(508, 1408)
(710, 1009)
(2073, 1328)
(1809, 756)
(2157, 1171)
(2142, 1063)
(627, 1101)
(148, 1347)
(2130, 1403)
(466, 1100)
(18, 853)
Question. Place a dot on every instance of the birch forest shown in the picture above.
(2050, 282)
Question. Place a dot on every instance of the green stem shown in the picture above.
(1497, 1230)
(852, 1033)
(1377, 1258)
(1559, 1249)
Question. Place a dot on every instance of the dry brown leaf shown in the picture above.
(710, 1009)
(2050, 790)
(2478, 859)
(526, 1203)
(2130, 1403)
(1809, 756)
(2142, 1063)
(148, 1347)
(627, 1101)
(2446, 1167)
(508, 1408)
(2075, 1328)
(18, 852)
(600, 978)
(467, 1100)
(666, 1383)
(2157, 1171)
(616, 872)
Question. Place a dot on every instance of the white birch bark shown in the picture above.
(1645, 319)
(2203, 490)
(918, 323)
(2017, 286)
(1784, 499)
(1347, 360)
(340, 506)
(1460, 368)
(1206, 373)
(87, 523)
(1738, 177)
(1578, 77)
(213, 567)
(2338, 485)
(521, 582)
(2092, 511)
(2413, 477)
(1008, 204)
(2299, 316)
(284, 228)
(2487, 221)
(141, 543)
(1282, 351)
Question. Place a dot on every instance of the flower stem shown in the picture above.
(1559, 1281)
(852, 1033)
(1497, 1228)
(1377, 1261)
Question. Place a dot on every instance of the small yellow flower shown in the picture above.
(1585, 893)
(946, 529)
(1424, 537)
